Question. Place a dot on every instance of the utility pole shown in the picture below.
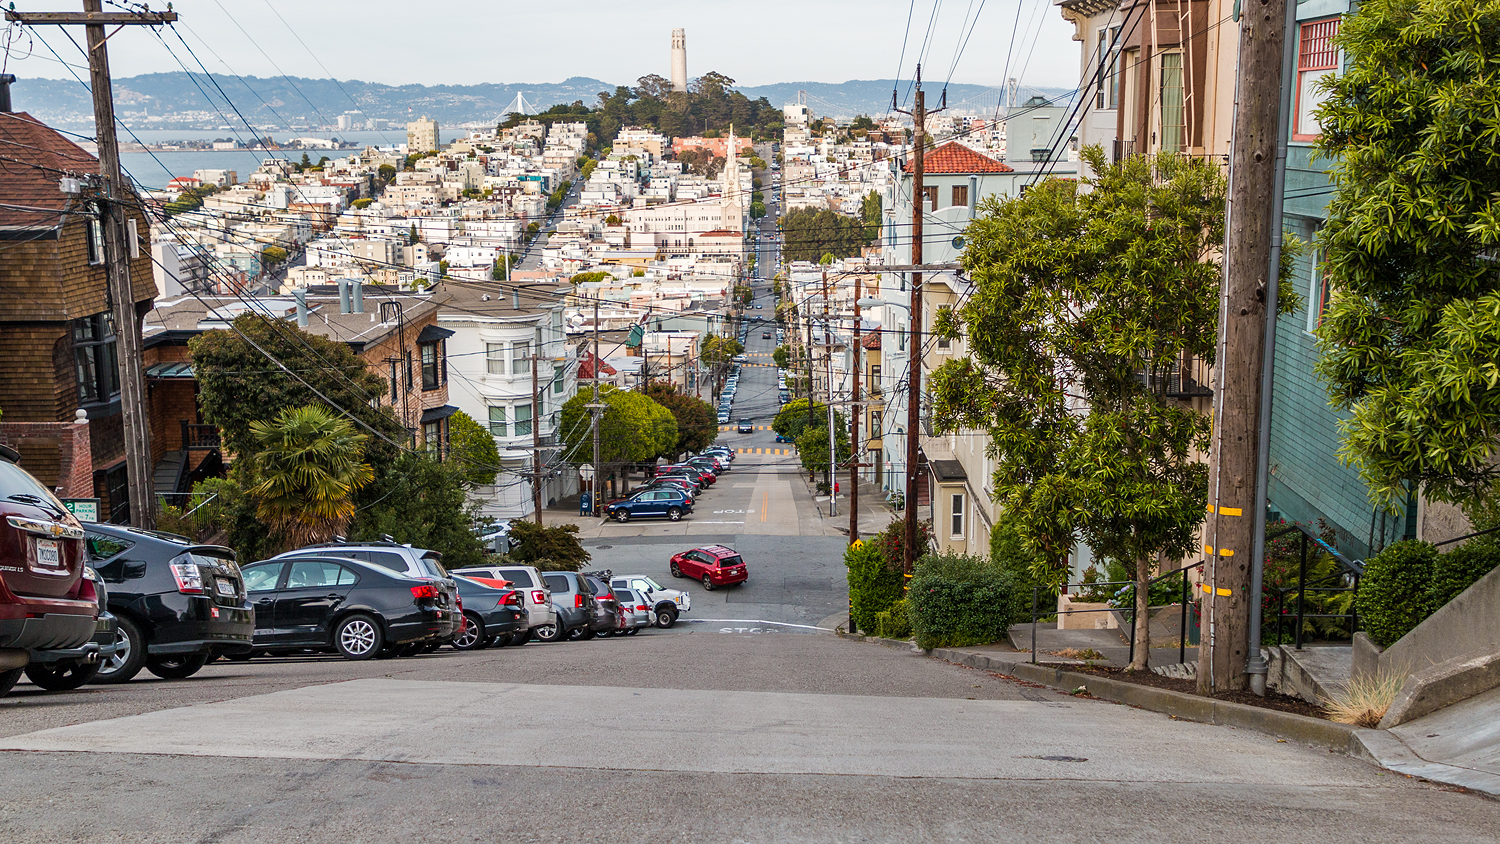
(598, 365)
(855, 411)
(120, 243)
(1236, 492)
(833, 455)
(536, 439)
(914, 353)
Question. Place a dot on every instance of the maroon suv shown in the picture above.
(47, 607)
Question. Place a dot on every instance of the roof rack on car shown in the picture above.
(602, 574)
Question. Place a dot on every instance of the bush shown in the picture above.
(873, 587)
(1007, 552)
(894, 623)
(547, 548)
(958, 600)
(1393, 592)
(1459, 569)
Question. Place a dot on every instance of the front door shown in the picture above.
(261, 581)
(305, 606)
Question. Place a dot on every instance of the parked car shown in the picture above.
(746, 426)
(64, 669)
(712, 464)
(783, 438)
(660, 502)
(353, 607)
(723, 417)
(604, 597)
(47, 604)
(176, 603)
(536, 598)
(666, 604)
(692, 477)
(492, 613)
(637, 611)
(572, 598)
(419, 563)
(714, 565)
(678, 483)
(705, 474)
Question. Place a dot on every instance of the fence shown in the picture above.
(1036, 592)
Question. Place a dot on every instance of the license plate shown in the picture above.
(47, 554)
(225, 587)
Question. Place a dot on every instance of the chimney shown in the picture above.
(343, 295)
(515, 298)
(973, 195)
(5, 80)
(301, 294)
(359, 297)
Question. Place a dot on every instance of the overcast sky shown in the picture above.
(756, 42)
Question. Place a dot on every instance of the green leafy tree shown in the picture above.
(548, 548)
(873, 586)
(632, 428)
(1411, 338)
(423, 502)
(362, 204)
(696, 423)
(597, 275)
(810, 234)
(871, 214)
(718, 351)
(812, 444)
(1108, 287)
(472, 450)
(308, 465)
(782, 356)
(387, 172)
(272, 255)
(794, 416)
(412, 237)
(305, 163)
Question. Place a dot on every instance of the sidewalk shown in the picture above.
(874, 513)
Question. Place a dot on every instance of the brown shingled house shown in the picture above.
(60, 388)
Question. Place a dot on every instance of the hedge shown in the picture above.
(1459, 569)
(1393, 591)
(873, 587)
(958, 600)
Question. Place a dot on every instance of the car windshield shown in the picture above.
(16, 484)
(653, 584)
(728, 562)
(432, 566)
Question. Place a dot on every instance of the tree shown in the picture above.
(412, 237)
(387, 172)
(309, 464)
(1086, 301)
(812, 443)
(793, 418)
(696, 423)
(871, 213)
(811, 234)
(782, 356)
(613, 220)
(631, 428)
(272, 255)
(362, 203)
(719, 351)
(472, 450)
(1411, 335)
(423, 502)
(305, 164)
(557, 547)
(238, 385)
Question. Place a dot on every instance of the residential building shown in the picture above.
(422, 136)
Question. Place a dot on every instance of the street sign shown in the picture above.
(83, 509)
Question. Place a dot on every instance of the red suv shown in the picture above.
(48, 609)
(715, 565)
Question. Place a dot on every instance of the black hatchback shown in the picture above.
(176, 603)
(355, 608)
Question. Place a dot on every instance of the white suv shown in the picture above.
(666, 604)
(536, 597)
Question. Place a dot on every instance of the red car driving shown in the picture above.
(714, 565)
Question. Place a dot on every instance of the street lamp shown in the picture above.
(872, 302)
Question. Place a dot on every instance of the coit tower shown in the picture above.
(679, 60)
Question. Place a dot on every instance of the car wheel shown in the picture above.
(518, 638)
(129, 656)
(708, 583)
(8, 680)
(61, 678)
(666, 617)
(472, 635)
(676, 570)
(674, 513)
(605, 634)
(176, 666)
(358, 637)
(622, 516)
(545, 633)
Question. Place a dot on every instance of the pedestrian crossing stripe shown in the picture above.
(727, 428)
(775, 452)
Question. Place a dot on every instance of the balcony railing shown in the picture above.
(199, 437)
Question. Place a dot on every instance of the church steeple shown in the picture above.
(731, 167)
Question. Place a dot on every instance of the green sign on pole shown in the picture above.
(83, 509)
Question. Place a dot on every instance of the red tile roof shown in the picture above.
(33, 157)
(586, 367)
(954, 157)
(871, 341)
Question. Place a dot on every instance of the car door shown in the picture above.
(649, 504)
(305, 606)
(261, 581)
(691, 565)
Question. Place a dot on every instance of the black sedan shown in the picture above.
(355, 608)
(492, 615)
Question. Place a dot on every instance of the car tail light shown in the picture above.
(578, 602)
(513, 599)
(539, 597)
(189, 579)
(426, 590)
(641, 608)
(460, 601)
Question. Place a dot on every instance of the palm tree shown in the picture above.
(309, 466)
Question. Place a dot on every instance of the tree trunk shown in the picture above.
(1142, 614)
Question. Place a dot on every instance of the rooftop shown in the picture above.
(36, 157)
(954, 157)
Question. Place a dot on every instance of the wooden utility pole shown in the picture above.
(595, 408)
(536, 438)
(855, 410)
(120, 242)
(1248, 292)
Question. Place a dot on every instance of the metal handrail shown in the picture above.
(1182, 629)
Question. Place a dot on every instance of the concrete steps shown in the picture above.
(1314, 674)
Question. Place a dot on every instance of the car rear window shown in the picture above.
(387, 560)
(103, 547)
(518, 577)
(727, 562)
(557, 583)
(623, 596)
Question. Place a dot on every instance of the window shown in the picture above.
(432, 437)
(929, 197)
(407, 358)
(386, 559)
(943, 343)
(101, 547)
(519, 578)
(557, 583)
(1316, 58)
(497, 421)
(1107, 79)
(876, 418)
(96, 242)
(520, 358)
(957, 515)
(900, 338)
(1173, 107)
(494, 357)
(94, 358)
(875, 386)
(261, 578)
(1321, 292)
(117, 490)
(313, 574)
(395, 389)
(961, 195)
(523, 420)
(431, 374)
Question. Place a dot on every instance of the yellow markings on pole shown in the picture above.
(1226, 552)
(1220, 591)
(1226, 511)
(1208, 549)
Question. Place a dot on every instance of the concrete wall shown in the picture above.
(1467, 624)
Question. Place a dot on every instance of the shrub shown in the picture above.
(958, 600)
(1393, 592)
(890, 542)
(1008, 552)
(873, 587)
(1459, 569)
(1364, 700)
(547, 548)
(894, 623)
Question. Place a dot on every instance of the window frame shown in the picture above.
(432, 371)
(1315, 54)
(930, 197)
(1161, 100)
(520, 357)
(494, 358)
(503, 421)
(957, 515)
(960, 196)
(517, 422)
(100, 350)
(1106, 73)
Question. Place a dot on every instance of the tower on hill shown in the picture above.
(679, 60)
